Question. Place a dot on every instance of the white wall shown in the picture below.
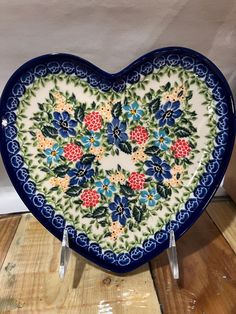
(111, 34)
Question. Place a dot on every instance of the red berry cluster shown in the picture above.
(93, 121)
(90, 198)
(180, 148)
(139, 134)
(136, 181)
(73, 152)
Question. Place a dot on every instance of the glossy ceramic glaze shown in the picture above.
(117, 159)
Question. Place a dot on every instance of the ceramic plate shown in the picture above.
(117, 159)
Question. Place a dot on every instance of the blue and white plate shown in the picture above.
(117, 159)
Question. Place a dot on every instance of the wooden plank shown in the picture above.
(223, 213)
(207, 273)
(8, 226)
(30, 283)
(230, 176)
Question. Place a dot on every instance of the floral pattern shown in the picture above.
(153, 130)
(77, 138)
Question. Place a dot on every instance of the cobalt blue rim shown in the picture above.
(123, 262)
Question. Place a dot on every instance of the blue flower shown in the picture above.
(133, 77)
(81, 71)
(151, 197)
(173, 59)
(47, 211)
(120, 209)
(22, 174)
(161, 236)
(104, 85)
(158, 168)
(146, 68)
(116, 132)
(201, 70)
(123, 259)
(18, 90)
(159, 62)
(68, 67)
(109, 257)
(91, 140)
(187, 62)
(54, 153)
(119, 85)
(80, 174)
(38, 200)
(93, 80)
(58, 222)
(133, 111)
(64, 124)
(168, 113)
(40, 70)
(105, 187)
(149, 245)
(82, 240)
(162, 140)
(54, 67)
(136, 253)
(13, 147)
(12, 103)
(27, 78)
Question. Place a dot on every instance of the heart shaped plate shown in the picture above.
(117, 159)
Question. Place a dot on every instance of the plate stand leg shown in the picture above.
(65, 254)
(172, 256)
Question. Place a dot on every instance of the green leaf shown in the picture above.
(116, 110)
(78, 202)
(126, 190)
(130, 225)
(138, 214)
(187, 161)
(61, 170)
(88, 158)
(41, 106)
(154, 105)
(55, 188)
(167, 86)
(51, 97)
(44, 169)
(152, 151)
(163, 190)
(32, 133)
(41, 155)
(107, 234)
(125, 147)
(180, 94)
(190, 95)
(99, 212)
(79, 114)
(63, 158)
(72, 98)
(49, 131)
(93, 105)
(182, 132)
(73, 191)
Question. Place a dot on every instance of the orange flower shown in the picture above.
(116, 230)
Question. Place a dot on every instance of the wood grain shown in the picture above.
(230, 175)
(30, 283)
(207, 272)
(223, 213)
(8, 226)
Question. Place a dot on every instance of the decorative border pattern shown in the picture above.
(63, 63)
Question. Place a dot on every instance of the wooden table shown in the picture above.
(29, 282)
